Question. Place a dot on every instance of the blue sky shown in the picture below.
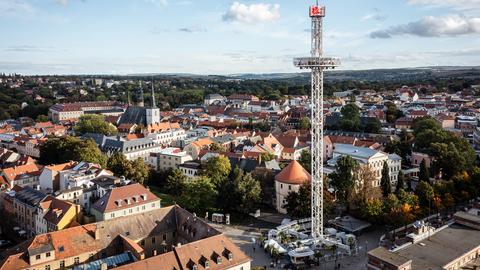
(228, 37)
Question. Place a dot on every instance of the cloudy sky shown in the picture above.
(227, 37)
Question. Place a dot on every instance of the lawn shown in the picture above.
(167, 199)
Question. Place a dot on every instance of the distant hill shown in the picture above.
(400, 74)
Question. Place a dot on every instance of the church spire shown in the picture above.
(154, 105)
(141, 102)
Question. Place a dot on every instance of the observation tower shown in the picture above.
(317, 63)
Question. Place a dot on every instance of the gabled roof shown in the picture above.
(56, 209)
(293, 174)
(13, 173)
(124, 197)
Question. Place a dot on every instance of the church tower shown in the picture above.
(153, 113)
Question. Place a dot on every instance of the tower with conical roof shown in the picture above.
(290, 179)
(153, 113)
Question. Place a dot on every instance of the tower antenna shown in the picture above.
(317, 63)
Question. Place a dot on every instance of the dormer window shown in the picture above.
(219, 260)
(118, 203)
(144, 197)
(194, 267)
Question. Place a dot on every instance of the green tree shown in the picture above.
(217, 147)
(372, 125)
(343, 179)
(425, 193)
(265, 156)
(372, 210)
(298, 204)
(306, 160)
(87, 150)
(176, 182)
(392, 112)
(424, 174)
(304, 123)
(64, 149)
(400, 182)
(199, 195)
(137, 171)
(117, 163)
(249, 193)
(217, 170)
(350, 120)
(41, 118)
(385, 180)
(94, 123)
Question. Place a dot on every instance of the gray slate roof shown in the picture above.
(134, 115)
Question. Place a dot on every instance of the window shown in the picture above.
(76, 260)
(38, 257)
(48, 254)
(62, 264)
(153, 240)
(47, 267)
(164, 237)
(142, 243)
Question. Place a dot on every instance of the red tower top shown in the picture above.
(317, 11)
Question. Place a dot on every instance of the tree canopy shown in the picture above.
(217, 169)
(343, 179)
(95, 123)
(58, 150)
(350, 120)
(135, 170)
(445, 147)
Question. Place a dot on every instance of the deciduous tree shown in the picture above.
(95, 123)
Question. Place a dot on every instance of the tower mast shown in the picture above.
(317, 63)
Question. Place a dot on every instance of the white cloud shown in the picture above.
(430, 26)
(457, 4)
(251, 14)
(15, 7)
(376, 15)
(158, 2)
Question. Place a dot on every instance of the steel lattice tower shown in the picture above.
(317, 63)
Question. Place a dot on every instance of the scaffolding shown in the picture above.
(317, 63)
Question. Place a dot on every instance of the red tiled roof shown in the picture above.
(124, 197)
(13, 172)
(293, 174)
